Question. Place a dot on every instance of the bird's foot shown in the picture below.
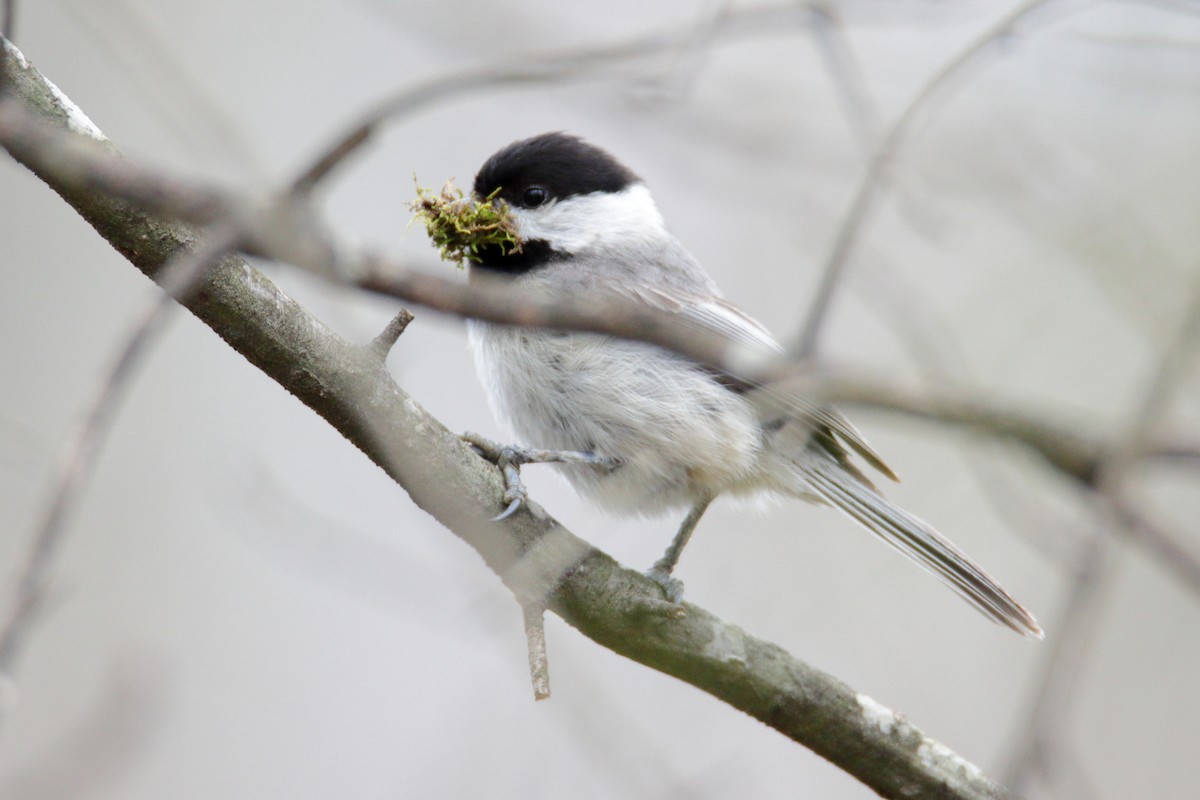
(660, 573)
(510, 459)
(671, 586)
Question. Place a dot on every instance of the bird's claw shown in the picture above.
(514, 489)
(508, 512)
(671, 586)
(509, 459)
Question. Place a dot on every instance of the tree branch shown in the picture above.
(535, 556)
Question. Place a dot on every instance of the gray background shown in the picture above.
(247, 608)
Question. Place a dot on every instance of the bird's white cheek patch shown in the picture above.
(576, 223)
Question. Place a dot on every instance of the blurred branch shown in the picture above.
(1086, 459)
(87, 165)
(845, 70)
(1165, 545)
(9, 19)
(145, 58)
(72, 469)
(1043, 739)
(878, 174)
(1179, 454)
(932, 344)
(547, 67)
(1071, 452)
(536, 557)
(1175, 359)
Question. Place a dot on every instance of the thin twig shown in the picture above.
(685, 55)
(1047, 716)
(535, 636)
(93, 165)
(538, 69)
(386, 340)
(8, 23)
(829, 33)
(147, 60)
(1180, 454)
(1172, 363)
(878, 174)
(1167, 547)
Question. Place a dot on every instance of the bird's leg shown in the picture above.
(510, 458)
(660, 573)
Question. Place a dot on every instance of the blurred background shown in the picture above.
(245, 607)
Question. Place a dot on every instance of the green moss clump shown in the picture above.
(460, 226)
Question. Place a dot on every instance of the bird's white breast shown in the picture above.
(677, 433)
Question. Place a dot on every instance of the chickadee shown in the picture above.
(643, 429)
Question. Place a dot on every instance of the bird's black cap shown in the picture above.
(561, 164)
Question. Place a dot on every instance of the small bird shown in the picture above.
(640, 429)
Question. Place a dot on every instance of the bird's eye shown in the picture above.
(534, 196)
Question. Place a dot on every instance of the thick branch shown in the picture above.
(533, 554)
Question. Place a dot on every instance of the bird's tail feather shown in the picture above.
(919, 542)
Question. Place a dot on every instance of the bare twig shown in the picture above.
(535, 636)
(878, 173)
(8, 23)
(1043, 738)
(440, 89)
(692, 44)
(92, 165)
(386, 340)
(1166, 546)
(829, 33)
(146, 59)
(1181, 454)
(539, 69)
(1174, 360)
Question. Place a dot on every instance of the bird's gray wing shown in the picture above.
(714, 313)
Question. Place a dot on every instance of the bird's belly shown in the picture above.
(677, 434)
